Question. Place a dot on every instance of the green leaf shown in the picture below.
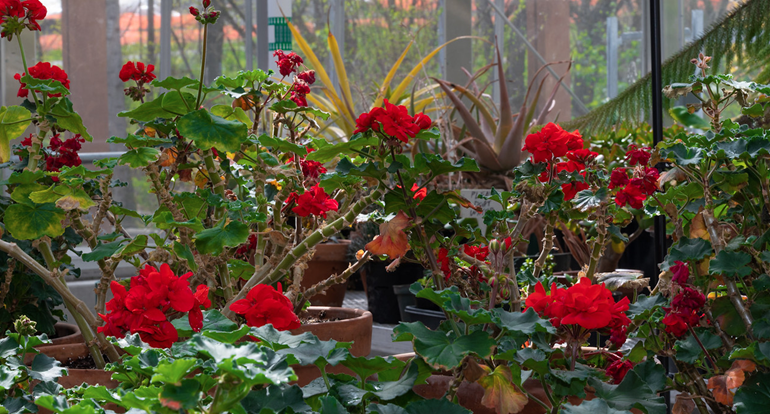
(103, 251)
(319, 353)
(386, 409)
(441, 405)
(290, 106)
(173, 372)
(166, 105)
(100, 392)
(136, 141)
(683, 116)
(645, 305)
(329, 152)
(525, 323)
(595, 406)
(276, 340)
(275, 398)
(45, 368)
(553, 202)
(687, 250)
(208, 131)
(635, 391)
(439, 166)
(586, 199)
(333, 181)
(164, 220)
(689, 351)
(213, 320)
(136, 245)
(761, 283)
(214, 240)
(231, 114)
(365, 367)
(64, 197)
(139, 157)
(683, 155)
(282, 145)
(754, 111)
(183, 252)
(731, 264)
(174, 83)
(444, 350)
(67, 118)
(12, 125)
(51, 86)
(754, 395)
(331, 405)
(730, 321)
(185, 395)
(31, 222)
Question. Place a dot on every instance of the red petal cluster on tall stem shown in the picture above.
(393, 121)
(143, 308)
(137, 71)
(43, 71)
(288, 63)
(643, 182)
(314, 201)
(551, 142)
(15, 15)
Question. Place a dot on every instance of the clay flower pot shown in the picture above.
(66, 333)
(329, 259)
(68, 352)
(353, 325)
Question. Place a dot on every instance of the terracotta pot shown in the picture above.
(354, 325)
(69, 352)
(67, 333)
(329, 259)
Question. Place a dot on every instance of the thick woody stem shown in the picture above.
(334, 279)
(107, 270)
(104, 205)
(547, 244)
(7, 282)
(599, 241)
(275, 274)
(168, 201)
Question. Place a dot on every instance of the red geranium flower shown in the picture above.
(551, 142)
(638, 156)
(618, 178)
(313, 201)
(647, 180)
(582, 156)
(10, 8)
(194, 11)
(443, 261)
(676, 324)
(618, 370)
(631, 195)
(266, 305)
(681, 272)
(34, 11)
(419, 193)
(307, 76)
(137, 72)
(688, 299)
(571, 189)
(392, 120)
(423, 121)
(587, 305)
(287, 64)
(201, 299)
(162, 335)
(43, 70)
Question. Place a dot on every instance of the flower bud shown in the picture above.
(25, 326)
(493, 281)
(194, 11)
(494, 246)
(206, 3)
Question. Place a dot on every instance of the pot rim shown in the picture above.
(360, 315)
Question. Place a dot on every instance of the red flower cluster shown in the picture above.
(584, 304)
(551, 142)
(246, 250)
(393, 121)
(287, 63)
(311, 170)
(137, 72)
(60, 154)
(685, 311)
(681, 272)
(17, 11)
(266, 305)
(43, 70)
(618, 370)
(208, 16)
(638, 156)
(301, 87)
(142, 308)
(313, 201)
(642, 184)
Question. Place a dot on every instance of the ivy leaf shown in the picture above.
(754, 395)
(31, 222)
(11, 128)
(683, 155)
(139, 157)
(526, 323)
(687, 250)
(208, 131)
(67, 118)
(45, 368)
(443, 350)
(103, 251)
(595, 406)
(214, 240)
(689, 351)
(731, 264)
(499, 392)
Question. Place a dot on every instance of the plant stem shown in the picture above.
(596, 252)
(275, 274)
(547, 245)
(705, 351)
(203, 66)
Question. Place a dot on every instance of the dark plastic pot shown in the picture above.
(383, 303)
(405, 298)
(431, 318)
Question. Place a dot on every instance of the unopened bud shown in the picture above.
(359, 254)
(493, 281)
(494, 246)
(25, 326)
(194, 11)
(206, 3)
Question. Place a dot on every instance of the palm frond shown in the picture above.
(741, 38)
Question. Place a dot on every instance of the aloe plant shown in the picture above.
(497, 146)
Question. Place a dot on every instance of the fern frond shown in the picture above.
(741, 38)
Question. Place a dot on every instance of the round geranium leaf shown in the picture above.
(208, 130)
(214, 240)
(30, 222)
